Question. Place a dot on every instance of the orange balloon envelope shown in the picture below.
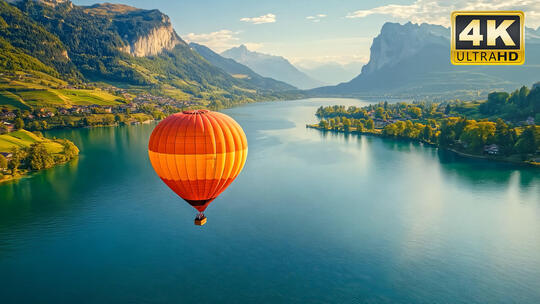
(198, 154)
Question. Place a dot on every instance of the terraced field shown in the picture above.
(23, 139)
(36, 93)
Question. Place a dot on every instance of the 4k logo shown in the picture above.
(487, 38)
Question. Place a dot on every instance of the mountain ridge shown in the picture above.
(239, 70)
(275, 67)
(116, 46)
(413, 60)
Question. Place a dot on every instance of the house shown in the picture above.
(530, 121)
(10, 127)
(492, 149)
(7, 155)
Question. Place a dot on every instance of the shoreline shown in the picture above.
(460, 153)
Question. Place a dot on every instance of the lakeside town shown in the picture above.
(490, 129)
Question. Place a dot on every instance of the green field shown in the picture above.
(23, 139)
(39, 92)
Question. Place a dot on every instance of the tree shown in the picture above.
(379, 113)
(17, 156)
(503, 137)
(359, 126)
(526, 142)
(118, 118)
(70, 150)
(39, 157)
(448, 109)
(427, 133)
(346, 124)
(370, 125)
(19, 123)
(34, 125)
(323, 124)
(3, 162)
(415, 112)
(3, 128)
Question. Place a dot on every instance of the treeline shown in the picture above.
(470, 136)
(36, 157)
(384, 111)
(446, 124)
(346, 124)
(520, 104)
(31, 121)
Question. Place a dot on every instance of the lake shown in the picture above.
(313, 218)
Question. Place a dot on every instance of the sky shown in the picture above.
(310, 32)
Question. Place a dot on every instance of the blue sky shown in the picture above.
(309, 32)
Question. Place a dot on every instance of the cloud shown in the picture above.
(253, 46)
(220, 41)
(316, 18)
(438, 11)
(217, 41)
(268, 18)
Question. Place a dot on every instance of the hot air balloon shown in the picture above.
(198, 154)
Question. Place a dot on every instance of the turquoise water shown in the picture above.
(313, 218)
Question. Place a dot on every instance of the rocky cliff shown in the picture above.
(413, 60)
(153, 43)
(396, 42)
(144, 32)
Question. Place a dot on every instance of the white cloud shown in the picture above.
(220, 41)
(316, 18)
(253, 46)
(217, 41)
(268, 18)
(438, 11)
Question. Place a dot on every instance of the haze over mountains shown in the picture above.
(275, 67)
(238, 70)
(414, 60)
(116, 44)
(139, 49)
(332, 72)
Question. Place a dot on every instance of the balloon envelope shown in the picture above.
(198, 154)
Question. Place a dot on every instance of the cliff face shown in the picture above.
(143, 32)
(414, 60)
(153, 43)
(396, 42)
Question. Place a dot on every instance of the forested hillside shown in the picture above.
(111, 45)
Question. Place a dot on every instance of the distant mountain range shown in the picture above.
(332, 72)
(240, 71)
(414, 60)
(275, 67)
(138, 49)
(116, 44)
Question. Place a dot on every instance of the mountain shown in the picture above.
(413, 60)
(119, 45)
(26, 45)
(275, 67)
(332, 72)
(239, 71)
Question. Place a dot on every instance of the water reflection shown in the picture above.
(314, 216)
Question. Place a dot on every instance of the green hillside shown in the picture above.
(49, 52)
(28, 91)
(95, 38)
(28, 46)
(24, 139)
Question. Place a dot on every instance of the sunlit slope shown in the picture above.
(23, 139)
